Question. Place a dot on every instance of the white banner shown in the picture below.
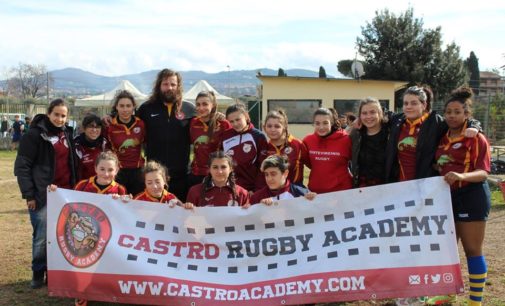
(388, 241)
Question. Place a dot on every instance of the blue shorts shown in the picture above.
(16, 137)
(471, 202)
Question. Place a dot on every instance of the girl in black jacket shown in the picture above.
(414, 137)
(369, 145)
(46, 156)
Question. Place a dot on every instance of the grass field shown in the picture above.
(15, 250)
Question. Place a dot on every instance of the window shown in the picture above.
(298, 111)
(352, 106)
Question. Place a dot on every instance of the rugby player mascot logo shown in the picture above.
(83, 231)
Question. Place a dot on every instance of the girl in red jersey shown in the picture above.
(218, 187)
(205, 131)
(126, 135)
(329, 150)
(89, 144)
(281, 142)
(156, 181)
(106, 169)
(276, 171)
(246, 145)
(465, 164)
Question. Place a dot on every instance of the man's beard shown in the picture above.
(169, 96)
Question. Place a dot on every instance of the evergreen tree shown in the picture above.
(472, 63)
(398, 48)
(322, 72)
(281, 73)
(344, 67)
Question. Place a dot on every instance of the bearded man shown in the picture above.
(166, 118)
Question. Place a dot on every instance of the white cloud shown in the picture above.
(120, 37)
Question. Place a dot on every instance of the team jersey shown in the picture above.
(407, 144)
(202, 145)
(61, 158)
(127, 142)
(248, 149)
(218, 196)
(89, 185)
(462, 155)
(88, 151)
(289, 191)
(329, 158)
(296, 152)
(166, 197)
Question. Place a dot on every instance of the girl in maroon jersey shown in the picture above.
(465, 164)
(89, 144)
(329, 150)
(205, 131)
(246, 145)
(156, 182)
(276, 171)
(126, 135)
(106, 169)
(281, 142)
(218, 187)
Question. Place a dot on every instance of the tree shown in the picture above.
(27, 81)
(281, 73)
(344, 67)
(472, 64)
(322, 72)
(398, 48)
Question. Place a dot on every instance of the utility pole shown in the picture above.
(47, 86)
(229, 80)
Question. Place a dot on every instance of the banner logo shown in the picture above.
(83, 231)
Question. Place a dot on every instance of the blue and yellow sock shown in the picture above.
(477, 271)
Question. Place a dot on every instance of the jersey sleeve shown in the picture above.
(481, 151)
(193, 195)
(80, 186)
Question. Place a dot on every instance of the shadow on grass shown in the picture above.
(23, 211)
(20, 293)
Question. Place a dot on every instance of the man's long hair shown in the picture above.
(157, 96)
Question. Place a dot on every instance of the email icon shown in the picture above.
(414, 279)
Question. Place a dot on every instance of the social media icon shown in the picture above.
(435, 279)
(414, 279)
(448, 278)
(426, 278)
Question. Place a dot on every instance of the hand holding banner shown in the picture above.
(371, 243)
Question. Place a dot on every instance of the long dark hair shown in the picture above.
(57, 102)
(207, 181)
(335, 123)
(122, 94)
(213, 111)
(157, 95)
(241, 108)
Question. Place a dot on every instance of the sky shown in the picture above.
(117, 37)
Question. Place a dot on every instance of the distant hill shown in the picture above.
(78, 82)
